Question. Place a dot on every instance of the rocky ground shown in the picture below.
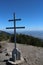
(32, 55)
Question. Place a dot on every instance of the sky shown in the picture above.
(30, 11)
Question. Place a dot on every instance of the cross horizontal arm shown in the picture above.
(14, 27)
(10, 20)
(17, 19)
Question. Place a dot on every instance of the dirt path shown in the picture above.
(32, 55)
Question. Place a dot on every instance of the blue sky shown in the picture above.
(30, 11)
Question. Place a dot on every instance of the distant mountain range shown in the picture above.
(38, 34)
(4, 32)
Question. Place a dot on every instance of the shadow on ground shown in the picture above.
(7, 63)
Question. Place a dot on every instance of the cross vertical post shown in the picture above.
(15, 30)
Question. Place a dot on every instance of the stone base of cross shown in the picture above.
(16, 55)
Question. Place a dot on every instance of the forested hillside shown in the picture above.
(28, 40)
(4, 35)
(21, 39)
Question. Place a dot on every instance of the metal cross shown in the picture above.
(14, 20)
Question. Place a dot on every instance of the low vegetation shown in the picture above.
(4, 36)
(28, 40)
(21, 39)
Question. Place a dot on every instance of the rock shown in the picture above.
(7, 54)
(0, 51)
(0, 46)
